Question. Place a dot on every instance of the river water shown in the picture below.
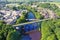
(33, 26)
(30, 27)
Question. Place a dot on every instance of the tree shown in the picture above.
(2, 35)
(47, 31)
(14, 8)
(21, 20)
(1, 24)
(51, 37)
(4, 29)
(13, 35)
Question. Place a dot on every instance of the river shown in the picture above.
(30, 27)
(33, 26)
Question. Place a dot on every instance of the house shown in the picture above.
(33, 6)
(10, 16)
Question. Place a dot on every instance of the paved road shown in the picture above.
(31, 22)
(32, 19)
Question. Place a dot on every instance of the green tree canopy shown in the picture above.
(13, 35)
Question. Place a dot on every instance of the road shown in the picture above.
(31, 19)
(31, 22)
